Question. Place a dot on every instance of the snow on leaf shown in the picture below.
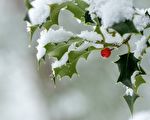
(90, 36)
(66, 66)
(70, 68)
(140, 47)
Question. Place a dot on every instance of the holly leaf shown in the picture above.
(48, 24)
(70, 68)
(58, 50)
(32, 30)
(28, 4)
(83, 5)
(26, 18)
(125, 27)
(127, 65)
(55, 10)
(138, 81)
(131, 100)
(88, 18)
(76, 10)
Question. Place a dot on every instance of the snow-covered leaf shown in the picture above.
(58, 50)
(70, 67)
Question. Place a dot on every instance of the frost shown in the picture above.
(112, 11)
(129, 91)
(140, 47)
(117, 39)
(90, 36)
(53, 36)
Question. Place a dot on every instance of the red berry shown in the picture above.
(106, 52)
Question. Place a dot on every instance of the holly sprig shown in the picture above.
(127, 64)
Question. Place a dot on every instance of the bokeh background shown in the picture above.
(26, 93)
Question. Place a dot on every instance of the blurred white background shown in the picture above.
(26, 93)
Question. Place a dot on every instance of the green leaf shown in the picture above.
(70, 68)
(32, 31)
(83, 5)
(76, 10)
(55, 10)
(131, 100)
(28, 4)
(125, 27)
(88, 18)
(58, 50)
(48, 24)
(127, 65)
(138, 81)
(26, 18)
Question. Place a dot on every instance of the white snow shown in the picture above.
(112, 11)
(28, 26)
(40, 3)
(141, 20)
(129, 91)
(41, 10)
(41, 52)
(61, 62)
(90, 36)
(53, 36)
(117, 39)
(37, 3)
(39, 14)
(140, 47)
